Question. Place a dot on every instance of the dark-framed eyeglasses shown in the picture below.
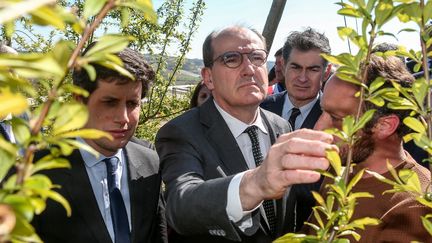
(233, 59)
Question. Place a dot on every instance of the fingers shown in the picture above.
(300, 176)
(302, 146)
(307, 134)
(301, 162)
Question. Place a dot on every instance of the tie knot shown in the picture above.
(111, 164)
(294, 114)
(295, 111)
(252, 130)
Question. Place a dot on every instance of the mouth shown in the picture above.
(119, 133)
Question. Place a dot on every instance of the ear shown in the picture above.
(386, 126)
(207, 78)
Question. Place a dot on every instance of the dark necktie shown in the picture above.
(3, 132)
(258, 157)
(294, 114)
(117, 206)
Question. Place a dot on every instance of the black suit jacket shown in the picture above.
(191, 148)
(300, 199)
(86, 224)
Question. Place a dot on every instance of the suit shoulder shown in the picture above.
(277, 121)
(272, 98)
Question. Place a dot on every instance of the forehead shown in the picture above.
(236, 39)
(119, 86)
(339, 97)
(306, 58)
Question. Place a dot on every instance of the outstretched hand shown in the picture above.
(293, 159)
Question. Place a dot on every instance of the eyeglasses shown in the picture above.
(233, 59)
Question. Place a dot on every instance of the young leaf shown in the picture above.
(92, 7)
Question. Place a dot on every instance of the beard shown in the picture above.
(362, 148)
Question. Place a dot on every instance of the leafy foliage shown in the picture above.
(333, 213)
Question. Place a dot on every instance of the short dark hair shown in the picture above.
(278, 52)
(392, 69)
(385, 47)
(207, 48)
(133, 62)
(306, 40)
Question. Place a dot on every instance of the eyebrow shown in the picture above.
(308, 67)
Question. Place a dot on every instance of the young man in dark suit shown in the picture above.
(114, 197)
(305, 71)
(224, 162)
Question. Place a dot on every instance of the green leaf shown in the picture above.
(348, 125)
(383, 11)
(21, 130)
(376, 84)
(74, 115)
(420, 89)
(85, 133)
(48, 16)
(12, 103)
(355, 180)
(91, 71)
(60, 199)
(411, 179)
(109, 44)
(49, 162)
(365, 118)
(92, 7)
(21, 205)
(427, 224)
(318, 198)
(84, 146)
(143, 6)
(335, 161)
(414, 124)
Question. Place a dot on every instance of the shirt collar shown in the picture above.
(91, 160)
(304, 109)
(236, 126)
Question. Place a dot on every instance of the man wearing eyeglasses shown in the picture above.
(225, 162)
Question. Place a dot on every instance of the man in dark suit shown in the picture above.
(304, 71)
(114, 197)
(225, 162)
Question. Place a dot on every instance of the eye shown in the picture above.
(232, 57)
(133, 104)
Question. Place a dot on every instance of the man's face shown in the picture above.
(279, 69)
(114, 108)
(244, 86)
(338, 101)
(304, 73)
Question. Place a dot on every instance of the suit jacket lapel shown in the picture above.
(221, 139)
(281, 204)
(83, 199)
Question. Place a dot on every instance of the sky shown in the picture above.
(319, 14)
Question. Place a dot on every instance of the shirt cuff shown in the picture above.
(234, 209)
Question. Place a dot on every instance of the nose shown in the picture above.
(121, 115)
(248, 69)
(324, 122)
(302, 75)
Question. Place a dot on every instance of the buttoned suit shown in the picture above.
(300, 199)
(191, 148)
(86, 224)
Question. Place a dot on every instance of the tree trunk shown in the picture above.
(273, 20)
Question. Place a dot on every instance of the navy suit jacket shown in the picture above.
(86, 224)
(300, 199)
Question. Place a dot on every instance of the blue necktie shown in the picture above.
(252, 131)
(3, 132)
(117, 206)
